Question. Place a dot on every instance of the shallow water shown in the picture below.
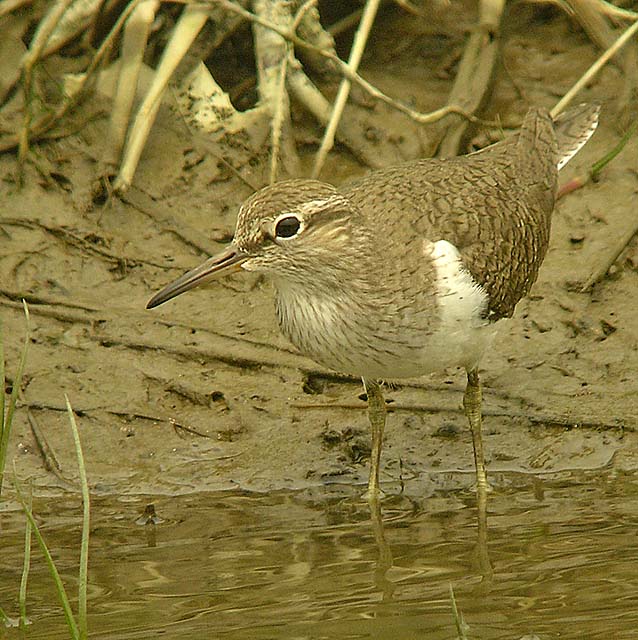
(312, 565)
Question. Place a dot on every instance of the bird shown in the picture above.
(410, 269)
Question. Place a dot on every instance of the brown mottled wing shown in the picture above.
(527, 174)
(495, 207)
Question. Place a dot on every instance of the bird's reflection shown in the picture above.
(384, 557)
(481, 559)
(484, 566)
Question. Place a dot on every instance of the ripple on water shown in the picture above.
(288, 565)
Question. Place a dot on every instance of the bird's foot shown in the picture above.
(476, 488)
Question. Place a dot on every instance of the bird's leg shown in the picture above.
(376, 415)
(472, 406)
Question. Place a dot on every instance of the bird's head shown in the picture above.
(300, 231)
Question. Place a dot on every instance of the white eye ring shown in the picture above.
(287, 225)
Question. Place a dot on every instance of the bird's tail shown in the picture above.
(573, 128)
(536, 153)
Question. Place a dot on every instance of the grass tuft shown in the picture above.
(53, 570)
(78, 628)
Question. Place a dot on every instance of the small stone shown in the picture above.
(607, 327)
(331, 437)
(448, 430)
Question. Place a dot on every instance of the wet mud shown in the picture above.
(204, 393)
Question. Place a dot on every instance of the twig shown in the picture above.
(346, 23)
(194, 432)
(73, 22)
(190, 23)
(120, 413)
(358, 47)
(610, 257)
(349, 133)
(14, 296)
(312, 31)
(594, 69)
(231, 350)
(279, 117)
(475, 72)
(135, 38)
(272, 52)
(182, 390)
(617, 12)
(47, 25)
(606, 8)
(74, 239)
(11, 142)
(50, 306)
(8, 6)
(423, 118)
(534, 418)
(245, 361)
(143, 203)
(51, 463)
(410, 8)
(43, 124)
(593, 20)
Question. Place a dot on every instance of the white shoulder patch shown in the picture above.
(463, 333)
(461, 299)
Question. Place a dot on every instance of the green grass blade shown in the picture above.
(53, 570)
(597, 167)
(84, 547)
(22, 599)
(6, 620)
(461, 626)
(17, 381)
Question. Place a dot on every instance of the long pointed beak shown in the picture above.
(225, 261)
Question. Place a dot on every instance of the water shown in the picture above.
(563, 552)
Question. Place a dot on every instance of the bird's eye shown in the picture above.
(287, 227)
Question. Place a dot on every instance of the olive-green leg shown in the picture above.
(376, 416)
(472, 406)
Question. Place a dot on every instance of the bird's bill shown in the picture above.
(228, 260)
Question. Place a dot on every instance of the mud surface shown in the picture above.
(204, 394)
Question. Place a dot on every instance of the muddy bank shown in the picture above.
(204, 393)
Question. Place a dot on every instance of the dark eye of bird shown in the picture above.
(287, 227)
